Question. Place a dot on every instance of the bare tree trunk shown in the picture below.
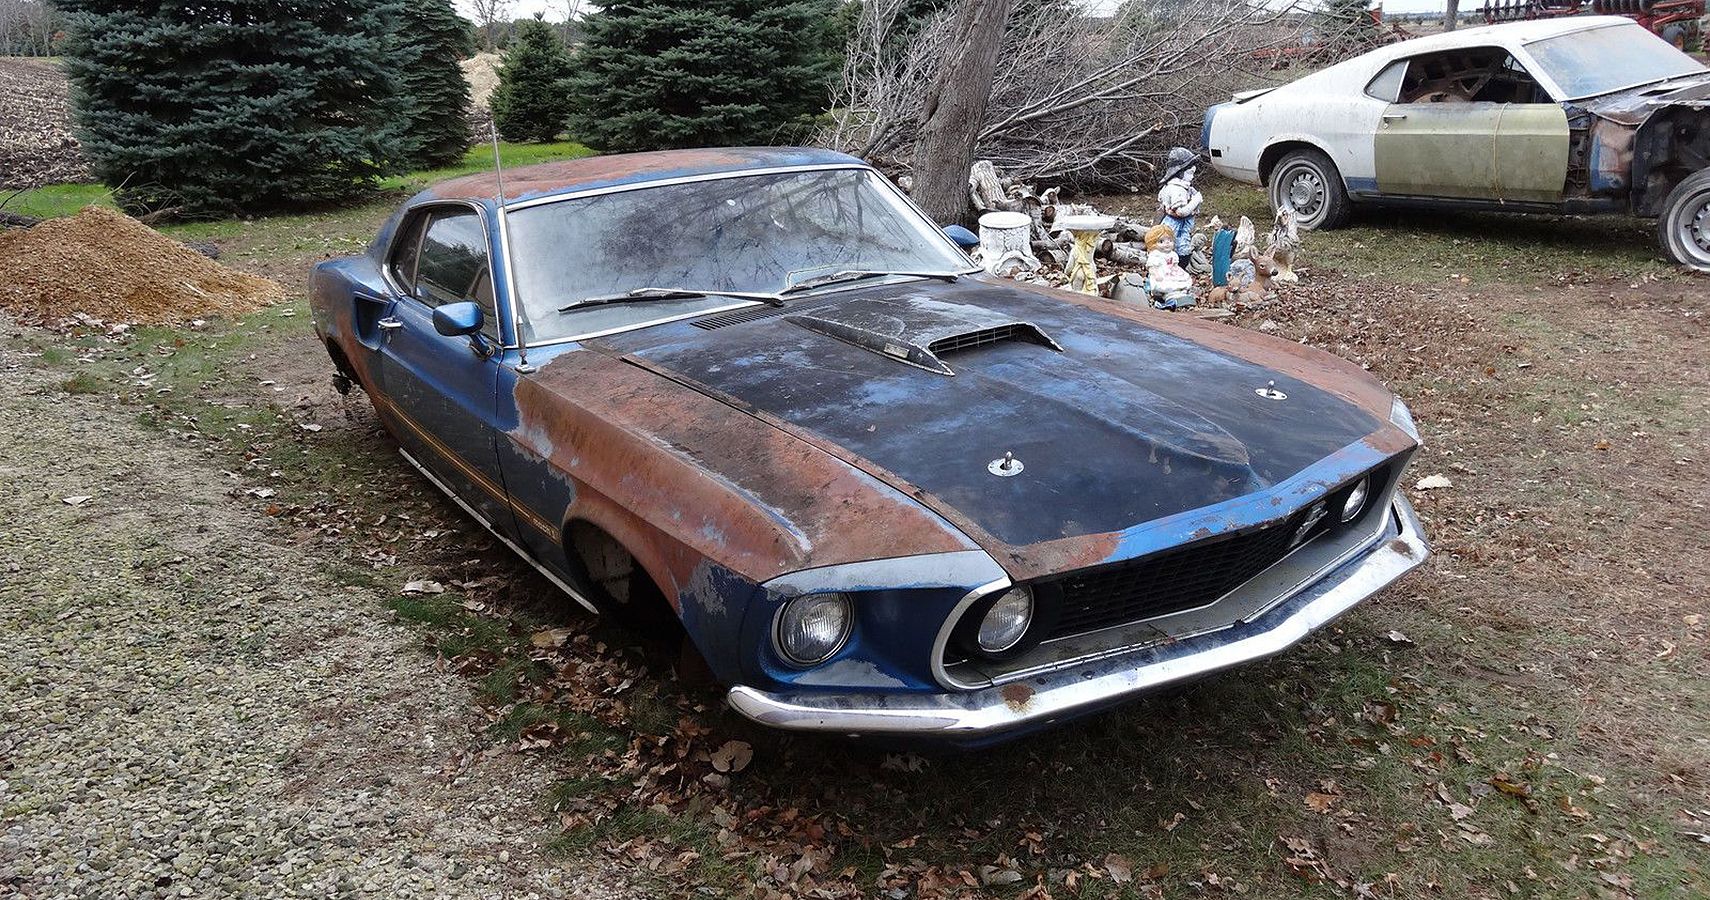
(955, 111)
(1451, 15)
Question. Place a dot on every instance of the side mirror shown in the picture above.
(454, 319)
(964, 238)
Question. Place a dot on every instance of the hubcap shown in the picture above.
(1698, 227)
(1306, 193)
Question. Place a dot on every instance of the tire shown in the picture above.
(1683, 229)
(1307, 181)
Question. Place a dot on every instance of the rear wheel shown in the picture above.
(1307, 182)
(1683, 229)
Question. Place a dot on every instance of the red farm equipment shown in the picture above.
(1676, 21)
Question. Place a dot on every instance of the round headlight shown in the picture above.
(812, 627)
(1006, 621)
(1356, 501)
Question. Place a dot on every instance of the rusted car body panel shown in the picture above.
(742, 461)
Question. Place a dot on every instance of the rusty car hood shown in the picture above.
(1634, 105)
(1118, 417)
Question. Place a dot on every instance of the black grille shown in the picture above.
(738, 317)
(979, 338)
(1187, 577)
(1168, 582)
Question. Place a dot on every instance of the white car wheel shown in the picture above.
(1683, 229)
(1307, 182)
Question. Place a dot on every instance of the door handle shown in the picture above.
(1394, 117)
(390, 323)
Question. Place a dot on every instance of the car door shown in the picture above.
(439, 391)
(1469, 123)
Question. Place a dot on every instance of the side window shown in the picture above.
(1386, 86)
(1469, 75)
(403, 261)
(452, 265)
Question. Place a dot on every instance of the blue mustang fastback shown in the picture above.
(756, 395)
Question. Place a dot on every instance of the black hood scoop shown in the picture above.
(920, 330)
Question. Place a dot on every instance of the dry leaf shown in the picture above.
(423, 587)
(1120, 869)
(1320, 803)
(1398, 637)
(550, 638)
(1433, 482)
(78, 500)
(733, 756)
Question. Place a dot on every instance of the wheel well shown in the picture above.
(610, 573)
(1669, 147)
(340, 361)
(1274, 153)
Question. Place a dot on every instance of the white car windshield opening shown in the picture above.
(744, 233)
(1613, 58)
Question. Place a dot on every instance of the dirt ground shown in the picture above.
(36, 143)
(1526, 716)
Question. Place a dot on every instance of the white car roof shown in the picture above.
(1505, 34)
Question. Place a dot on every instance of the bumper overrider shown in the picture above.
(1045, 698)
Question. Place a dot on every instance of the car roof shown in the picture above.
(617, 169)
(1505, 33)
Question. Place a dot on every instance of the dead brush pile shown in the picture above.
(106, 265)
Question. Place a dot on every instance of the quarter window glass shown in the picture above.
(1387, 85)
(403, 260)
(453, 265)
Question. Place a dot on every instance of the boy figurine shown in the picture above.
(1179, 199)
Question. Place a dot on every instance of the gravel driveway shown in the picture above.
(191, 705)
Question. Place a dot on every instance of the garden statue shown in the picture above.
(1179, 200)
(1168, 284)
(1081, 273)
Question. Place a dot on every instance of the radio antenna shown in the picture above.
(505, 249)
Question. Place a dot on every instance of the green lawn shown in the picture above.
(65, 199)
(57, 200)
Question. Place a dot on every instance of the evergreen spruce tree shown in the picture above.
(226, 106)
(656, 74)
(532, 101)
(431, 39)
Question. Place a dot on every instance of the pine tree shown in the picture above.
(532, 101)
(686, 73)
(431, 39)
(227, 106)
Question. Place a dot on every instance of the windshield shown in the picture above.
(1588, 63)
(747, 233)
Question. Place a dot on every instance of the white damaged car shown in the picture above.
(1588, 114)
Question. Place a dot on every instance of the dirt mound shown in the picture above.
(107, 265)
(482, 73)
(36, 143)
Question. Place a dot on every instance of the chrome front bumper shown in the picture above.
(1065, 693)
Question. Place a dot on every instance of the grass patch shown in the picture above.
(57, 200)
(83, 383)
(480, 159)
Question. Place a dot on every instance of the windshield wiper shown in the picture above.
(644, 294)
(861, 274)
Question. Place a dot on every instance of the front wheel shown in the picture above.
(1307, 182)
(1683, 229)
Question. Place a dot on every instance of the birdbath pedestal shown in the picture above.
(1082, 274)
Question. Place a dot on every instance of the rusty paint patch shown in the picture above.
(1402, 547)
(1016, 696)
(678, 476)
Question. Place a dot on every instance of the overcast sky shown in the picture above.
(555, 9)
